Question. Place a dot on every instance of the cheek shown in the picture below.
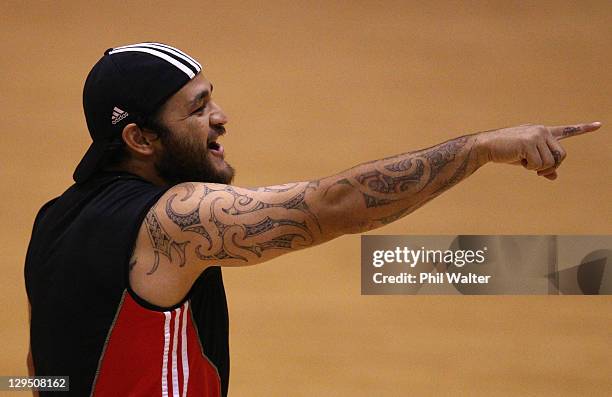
(198, 123)
(195, 142)
(198, 130)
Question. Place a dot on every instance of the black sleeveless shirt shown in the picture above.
(76, 273)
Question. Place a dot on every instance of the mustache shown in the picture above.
(219, 130)
(216, 132)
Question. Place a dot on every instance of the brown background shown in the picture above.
(312, 88)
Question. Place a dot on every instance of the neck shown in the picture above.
(144, 170)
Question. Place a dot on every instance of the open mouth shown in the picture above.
(215, 148)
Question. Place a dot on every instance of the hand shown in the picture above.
(535, 147)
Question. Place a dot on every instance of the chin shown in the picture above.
(227, 173)
(221, 171)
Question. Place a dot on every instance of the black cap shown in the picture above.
(127, 84)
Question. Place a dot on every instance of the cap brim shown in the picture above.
(90, 163)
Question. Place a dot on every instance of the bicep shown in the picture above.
(232, 226)
(196, 225)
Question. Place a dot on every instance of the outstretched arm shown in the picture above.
(196, 225)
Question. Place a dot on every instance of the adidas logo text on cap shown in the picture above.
(118, 115)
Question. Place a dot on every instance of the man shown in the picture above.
(123, 270)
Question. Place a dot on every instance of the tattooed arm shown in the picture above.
(196, 225)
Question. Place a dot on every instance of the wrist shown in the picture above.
(481, 148)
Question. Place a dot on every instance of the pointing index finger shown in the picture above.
(567, 131)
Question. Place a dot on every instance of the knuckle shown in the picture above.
(529, 137)
(537, 131)
(559, 155)
(541, 130)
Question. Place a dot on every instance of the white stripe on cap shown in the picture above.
(172, 50)
(177, 50)
(158, 54)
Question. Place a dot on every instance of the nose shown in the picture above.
(218, 116)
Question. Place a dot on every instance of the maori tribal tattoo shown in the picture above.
(457, 176)
(162, 242)
(557, 156)
(570, 130)
(371, 201)
(225, 209)
(296, 202)
(393, 217)
(382, 183)
(189, 221)
(387, 181)
(441, 155)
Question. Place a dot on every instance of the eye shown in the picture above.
(199, 110)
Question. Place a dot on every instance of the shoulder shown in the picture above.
(121, 193)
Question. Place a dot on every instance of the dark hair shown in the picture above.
(117, 152)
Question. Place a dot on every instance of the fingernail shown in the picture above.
(596, 123)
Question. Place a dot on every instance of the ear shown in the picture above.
(138, 141)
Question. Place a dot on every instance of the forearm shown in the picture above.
(376, 193)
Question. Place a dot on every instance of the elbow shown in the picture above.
(342, 213)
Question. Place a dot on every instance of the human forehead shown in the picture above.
(191, 93)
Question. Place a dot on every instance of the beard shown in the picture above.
(188, 160)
